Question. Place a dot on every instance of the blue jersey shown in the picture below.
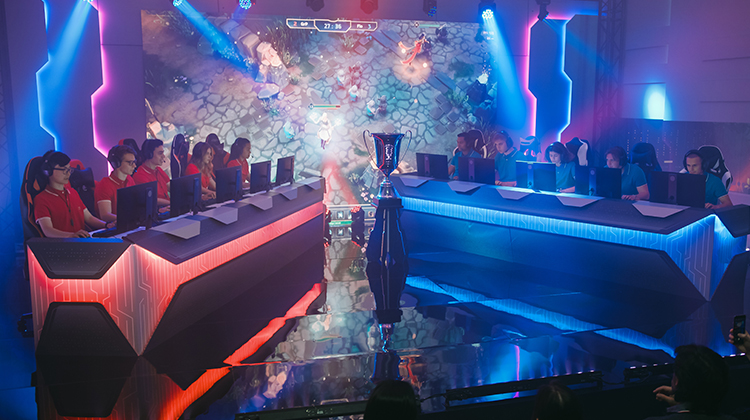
(632, 178)
(565, 175)
(714, 189)
(505, 166)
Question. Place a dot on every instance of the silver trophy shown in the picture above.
(387, 151)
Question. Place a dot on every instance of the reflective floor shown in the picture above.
(449, 337)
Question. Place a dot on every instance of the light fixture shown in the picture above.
(176, 3)
(543, 13)
(315, 5)
(487, 9)
(430, 7)
(368, 6)
(246, 4)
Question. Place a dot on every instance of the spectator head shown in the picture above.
(701, 378)
(555, 401)
(392, 400)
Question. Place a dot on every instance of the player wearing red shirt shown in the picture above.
(152, 157)
(201, 162)
(58, 209)
(122, 159)
(238, 156)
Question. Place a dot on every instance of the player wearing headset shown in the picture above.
(122, 159)
(634, 186)
(152, 157)
(716, 194)
(58, 209)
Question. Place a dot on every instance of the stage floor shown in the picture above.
(449, 337)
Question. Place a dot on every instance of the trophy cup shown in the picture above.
(387, 264)
(387, 151)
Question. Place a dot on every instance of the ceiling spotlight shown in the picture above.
(176, 3)
(246, 4)
(430, 7)
(543, 13)
(487, 9)
(368, 6)
(315, 5)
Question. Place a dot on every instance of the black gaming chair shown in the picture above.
(83, 182)
(30, 187)
(644, 155)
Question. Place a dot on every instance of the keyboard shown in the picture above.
(76, 258)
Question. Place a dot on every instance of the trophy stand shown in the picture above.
(387, 264)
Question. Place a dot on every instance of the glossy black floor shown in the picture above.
(450, 337)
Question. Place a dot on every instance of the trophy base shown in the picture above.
(386, 189)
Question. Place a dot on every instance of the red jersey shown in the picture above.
(144, 174)
(65, 208)
(192, 169)
(106, 189)
(243, 164)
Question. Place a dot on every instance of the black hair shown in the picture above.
(560, 149)
(555, 401)
(147, 149)
(618, 153)
(118, 152)
(392, 400)
(49, 160)
(702, 378)
(237, 148)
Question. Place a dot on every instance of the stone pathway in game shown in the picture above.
(223, 100)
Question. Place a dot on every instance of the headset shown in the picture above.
(618, 153)
(45, 167)
(148, 147)
(116, 154)
(697, 153)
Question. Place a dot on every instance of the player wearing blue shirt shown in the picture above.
(716, 194)
(634, 186)
(465, 148)
(565, 168)
(505, 159)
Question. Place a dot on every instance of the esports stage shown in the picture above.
(243, 309)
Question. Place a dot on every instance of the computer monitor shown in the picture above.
(228, 184)
(285, 170)
(477, 170)
(433, 166)
(536, 176)
(136, 206)
(601, 182)
(184, 195)
(676, 188)
(260, 176)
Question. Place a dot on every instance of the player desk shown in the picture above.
(152, 285)
(576, 242)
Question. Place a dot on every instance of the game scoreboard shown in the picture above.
(325, 25)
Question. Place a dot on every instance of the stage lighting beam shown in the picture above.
(487, 9)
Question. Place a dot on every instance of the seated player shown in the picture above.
(565, 168)
(716, 194)
(465, 145)
(201, 163)
(122, 159)
(238, 156)
(220, 155)
(505, 159)
(634, 186)
(152, 157)
(58, 209)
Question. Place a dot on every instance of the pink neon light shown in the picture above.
(179, 400)
(99, 143)
(140, 285)
(524, 73)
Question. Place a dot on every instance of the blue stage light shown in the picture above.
(176, 3)
(246, 4)
(488, 14)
